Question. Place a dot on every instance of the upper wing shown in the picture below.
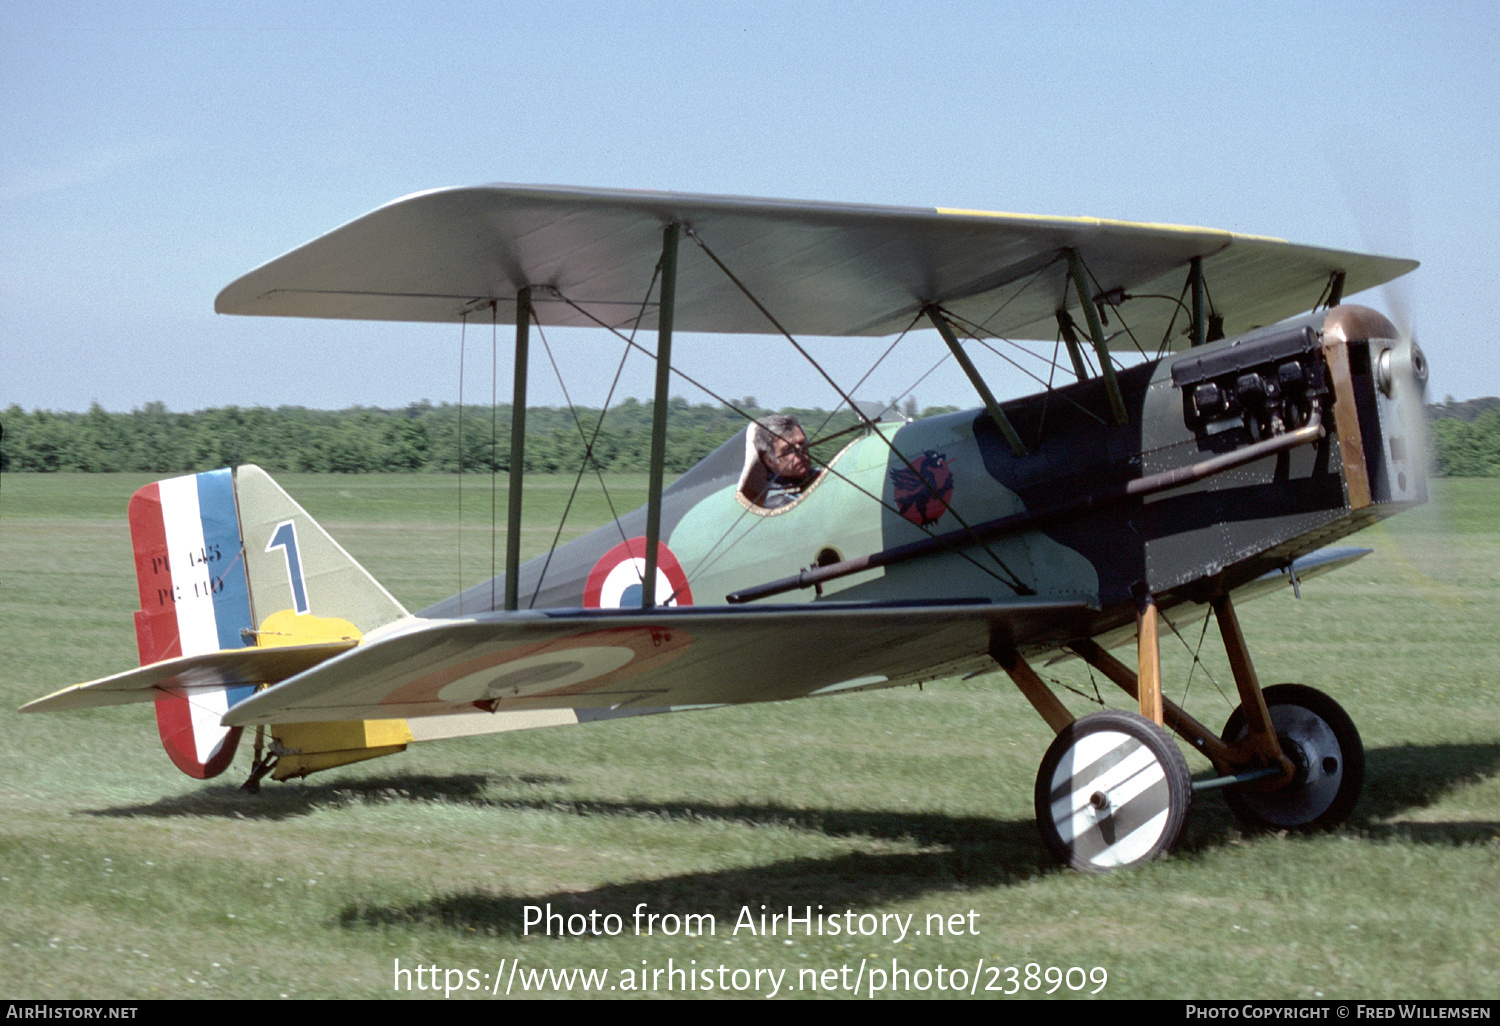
(667, 658)
(820, 268)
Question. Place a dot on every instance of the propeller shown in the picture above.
(1378, 197)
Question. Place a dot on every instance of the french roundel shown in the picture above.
(615, 581)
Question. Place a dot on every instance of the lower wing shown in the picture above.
(672, 658)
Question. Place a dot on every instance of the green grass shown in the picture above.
(121, 878)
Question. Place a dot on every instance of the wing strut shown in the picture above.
(668, 301)
(1070, 338)
(1335, 289)
(1096, 329)
(517, 455)
(996, 413)
(1200, 323)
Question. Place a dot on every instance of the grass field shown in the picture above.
(119, 877)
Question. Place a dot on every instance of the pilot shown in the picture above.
(777, 465)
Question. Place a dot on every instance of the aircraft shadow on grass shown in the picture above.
(954, 851)
(857, 881)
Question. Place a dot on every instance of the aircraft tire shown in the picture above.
(1113, 791)
(1321, 739)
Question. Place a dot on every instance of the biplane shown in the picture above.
(1246, 435)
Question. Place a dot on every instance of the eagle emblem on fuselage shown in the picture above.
(924, 489)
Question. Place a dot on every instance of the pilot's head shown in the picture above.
(782, 446)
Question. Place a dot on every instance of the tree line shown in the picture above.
(1464, 437)
(421, 437)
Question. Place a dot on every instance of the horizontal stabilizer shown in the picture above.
(662, 658)
(228, 668)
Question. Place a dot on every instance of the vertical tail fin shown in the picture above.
(228, 560)
(304, 587)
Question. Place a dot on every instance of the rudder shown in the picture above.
(194, 599)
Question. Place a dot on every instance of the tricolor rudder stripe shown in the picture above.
(191, 574)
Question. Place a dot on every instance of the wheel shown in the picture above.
(1113, 791)
(1320, 739)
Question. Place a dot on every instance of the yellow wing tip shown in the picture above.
(1104, 222)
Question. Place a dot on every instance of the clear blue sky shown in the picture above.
(153, 152)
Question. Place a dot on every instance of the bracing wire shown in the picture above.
(1197, 662)
(727, 404)
(1123, 325)
(590, 440)
(494, 443)
(1014, 583)
(971, 330)
(1031, 280)
(1166, 338)
(584, 464)
(462, 344)
(889, 349)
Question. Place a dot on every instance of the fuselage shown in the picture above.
(1058, 522)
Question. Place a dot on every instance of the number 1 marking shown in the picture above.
(285, 539)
